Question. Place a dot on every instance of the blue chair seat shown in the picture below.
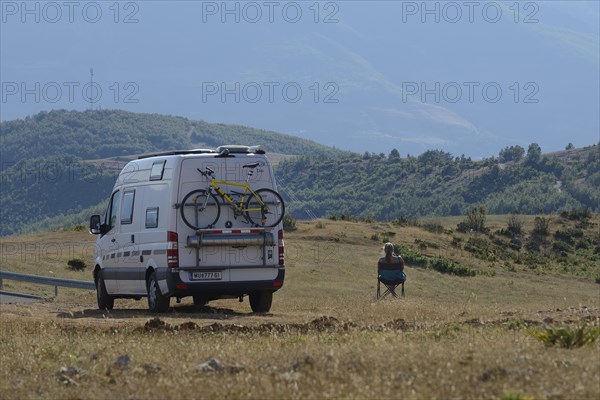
(391, 275)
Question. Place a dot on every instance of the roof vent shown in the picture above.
(239, 149)
(233, 148)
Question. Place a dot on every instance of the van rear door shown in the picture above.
(232, 242)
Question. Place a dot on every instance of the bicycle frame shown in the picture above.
(238, 207)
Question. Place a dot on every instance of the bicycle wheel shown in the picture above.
(200, 209)
(270, 213)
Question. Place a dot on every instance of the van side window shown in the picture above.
(127, 210)
(152, 217)
(158, 168)
(113, 210)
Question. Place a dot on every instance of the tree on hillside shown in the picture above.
(511, 153)
(394, 155)
(534, 154)
(570, 146)
(435, 158)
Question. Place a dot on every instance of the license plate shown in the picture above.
(206, 276)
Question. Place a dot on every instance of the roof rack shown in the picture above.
(230, 148)
(177, 152)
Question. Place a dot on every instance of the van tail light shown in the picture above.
(281, 249)
(172, 250)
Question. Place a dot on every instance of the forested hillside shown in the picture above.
(46, 180)
(386, 187)
(49, 181)
(109, 133)
(49, 186)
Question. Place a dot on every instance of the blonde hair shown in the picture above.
(389, 251)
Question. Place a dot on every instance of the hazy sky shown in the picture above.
(467, 77)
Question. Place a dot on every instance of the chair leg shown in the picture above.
(402, 289)
(378, 290)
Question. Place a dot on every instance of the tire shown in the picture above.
(260, 302)
(157, 303)
(200, 301)
(201, 206)
(105, 301)
(272, 212)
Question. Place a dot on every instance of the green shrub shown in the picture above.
(433, 227)
(577, 214)
(289, 223)
(76, 264)
(456, 242)
(568, 235)
(515, 224)
(410, 256)
(404, 221)
(480, 248)
(441, 264)
(516, 244)
(515, 396)
(447, 266)
(401, 221)
(474, 221)
(561, 247)
(424, 244)
(341, 217)
(369, 219)
(540, 226)
(583, 244)
(532, 245)
(566, 337)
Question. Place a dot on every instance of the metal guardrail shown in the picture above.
(47, 280)
(21, 295)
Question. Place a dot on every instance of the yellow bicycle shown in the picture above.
(201, 209)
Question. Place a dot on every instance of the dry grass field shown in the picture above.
(325, 337)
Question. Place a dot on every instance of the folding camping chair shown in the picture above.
(392, 276)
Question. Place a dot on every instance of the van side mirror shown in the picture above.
(95, 225)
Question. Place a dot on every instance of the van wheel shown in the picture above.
(105, 301)
(260, 302)
(157, 303)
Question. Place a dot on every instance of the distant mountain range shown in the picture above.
(361, 76)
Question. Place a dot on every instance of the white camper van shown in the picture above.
(201, 223)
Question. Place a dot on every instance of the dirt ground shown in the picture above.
(325, 337)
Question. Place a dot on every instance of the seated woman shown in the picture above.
(390, 258)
